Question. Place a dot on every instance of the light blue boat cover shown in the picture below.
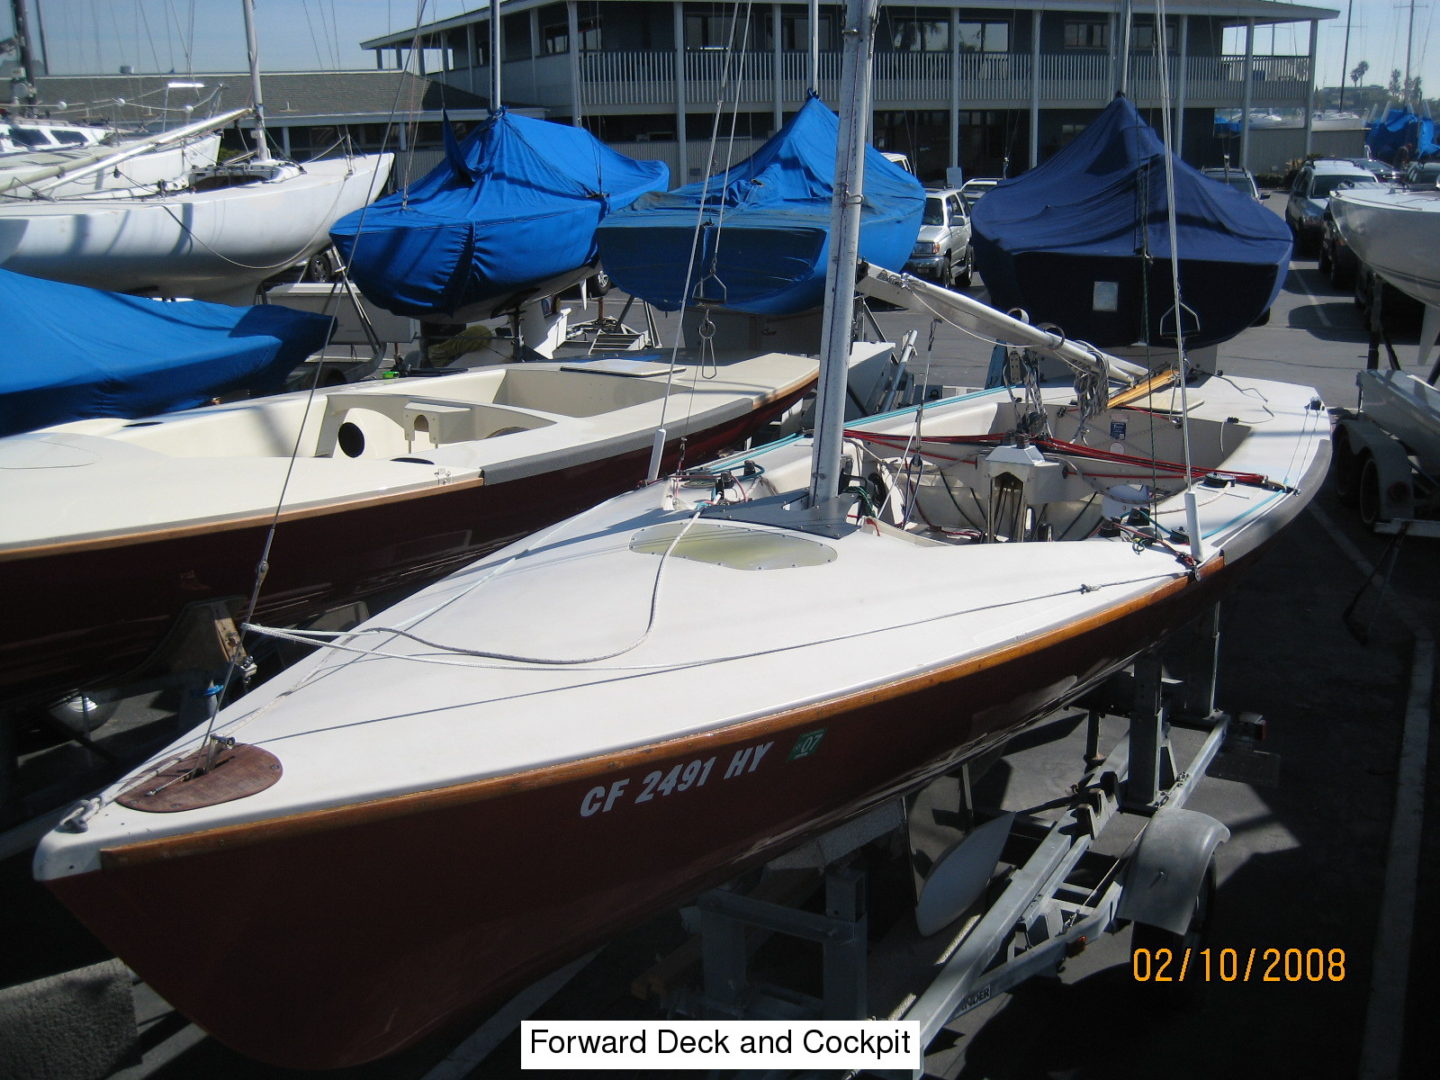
(74, 353)
(1401, 128)
(517, 202)
(766, 226)
(1083, 241)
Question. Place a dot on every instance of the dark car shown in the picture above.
(1422, 175)
(1383, 170)
(1336, 260)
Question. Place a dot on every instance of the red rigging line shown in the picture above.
(1060, 446)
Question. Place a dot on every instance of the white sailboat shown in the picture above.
(138, 165)
(229, 229)
(601, 720)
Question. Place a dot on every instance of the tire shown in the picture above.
(1323, 262)
(1180, 992)
(966, 277)
(1367, 493)
(319, 267)
(83, 712)
(600, 283)
(946, 275)
(1342, 273)
(1345, 468)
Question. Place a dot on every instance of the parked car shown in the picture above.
(1336, 260)
(1242, 180)
(942, 249)
(1422, 175)
(972, 190)
(1383, 170)
(1310, 193)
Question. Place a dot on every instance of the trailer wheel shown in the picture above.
(1367, 494)
(1345, 467)
(1184, 973)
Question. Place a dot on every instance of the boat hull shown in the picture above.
(595, 854)
(1396, 234)
(134, 588)
(216, 245)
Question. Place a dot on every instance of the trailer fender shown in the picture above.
(1166, 872)
(1391, 488)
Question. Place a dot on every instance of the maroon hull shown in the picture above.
(334, 938)
(91, 611)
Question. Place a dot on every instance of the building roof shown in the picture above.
(1231, 12)
(291, 98)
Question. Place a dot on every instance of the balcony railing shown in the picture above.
(925, 80)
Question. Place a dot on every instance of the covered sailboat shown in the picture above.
(75, 353)
(1082, 241)
(765, 226)
(604, 718)
(513, 206)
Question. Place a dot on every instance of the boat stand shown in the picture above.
(1051, 890)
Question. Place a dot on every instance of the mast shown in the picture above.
(859, 34)
(20, 15)
(495, 56)
(262, 146)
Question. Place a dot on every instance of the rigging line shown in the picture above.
(283, 262)
(459, 656)
(262, 568)
(694, 239)
(315, 636)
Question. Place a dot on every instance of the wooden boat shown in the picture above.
(114, 526)
(604, 718)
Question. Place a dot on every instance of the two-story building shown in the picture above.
(991, 86)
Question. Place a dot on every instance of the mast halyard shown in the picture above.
(859, 36)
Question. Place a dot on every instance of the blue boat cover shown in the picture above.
(517, 202)
(1401, 128)
(1083, 241)
(76, 353)
(765, 234)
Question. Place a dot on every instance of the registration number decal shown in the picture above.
(660, 783)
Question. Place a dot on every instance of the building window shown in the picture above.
(1142, 37)
(705, 31)
(913, 33)
(985, 37)
(1087, 34)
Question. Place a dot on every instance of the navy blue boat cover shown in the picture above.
(75, 353)
(517, 202)
(1083, 241)
(766, 225)
(1401, 128)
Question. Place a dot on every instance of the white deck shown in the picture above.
(727, 643)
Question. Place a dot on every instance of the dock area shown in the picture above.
(1331, 639)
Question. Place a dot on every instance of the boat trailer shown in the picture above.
(1051, 892)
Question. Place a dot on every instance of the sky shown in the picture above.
(98, 36)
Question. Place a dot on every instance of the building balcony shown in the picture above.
(645, 81)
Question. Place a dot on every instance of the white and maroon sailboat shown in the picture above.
(602, 719)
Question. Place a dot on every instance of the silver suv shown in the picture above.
(942, 249)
